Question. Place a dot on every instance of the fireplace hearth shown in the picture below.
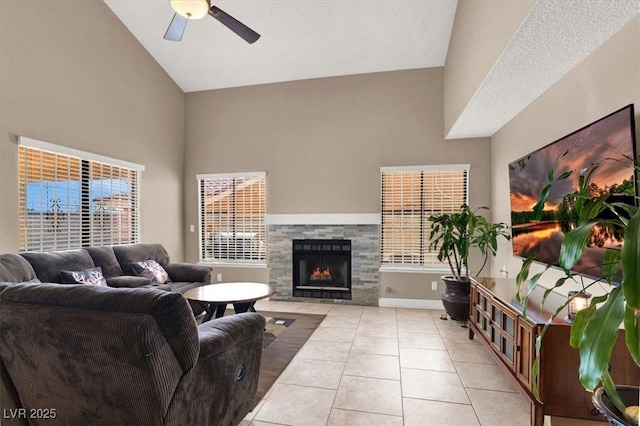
(322, 269)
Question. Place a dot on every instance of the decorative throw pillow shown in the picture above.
(91, 276)
(152, 270)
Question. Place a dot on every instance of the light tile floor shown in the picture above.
(387, 366)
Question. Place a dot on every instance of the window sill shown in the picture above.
(415, 269)
(232, 264)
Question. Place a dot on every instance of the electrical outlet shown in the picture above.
(192, 228)
(434, 285)
(219, 277)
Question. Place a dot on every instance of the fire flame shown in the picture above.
(321, 273)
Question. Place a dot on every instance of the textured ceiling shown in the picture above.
(312, 39)
(555, 36)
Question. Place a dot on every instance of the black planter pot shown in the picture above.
(456, 298)
(628, 395)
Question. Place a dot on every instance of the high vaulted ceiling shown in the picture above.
(300, 39)
(304, 39)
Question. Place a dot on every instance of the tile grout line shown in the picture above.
(333, 403)
(461, 382)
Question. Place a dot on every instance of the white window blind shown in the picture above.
(232, 209)
(70, 201)
(409, 196)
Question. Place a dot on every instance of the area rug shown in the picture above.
(285, 333)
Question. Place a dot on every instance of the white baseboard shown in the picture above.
(389, 302)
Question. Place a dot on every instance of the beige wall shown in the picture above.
(481, 31)
(71, 74)
(322, 143)
(606, 81)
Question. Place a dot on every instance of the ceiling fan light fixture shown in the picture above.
(191, 9)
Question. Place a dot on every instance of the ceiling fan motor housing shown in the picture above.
(196, 9)
(191, 9)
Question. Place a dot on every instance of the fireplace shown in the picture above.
(322, 269)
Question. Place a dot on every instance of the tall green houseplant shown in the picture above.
(455, 234)
(595, 329)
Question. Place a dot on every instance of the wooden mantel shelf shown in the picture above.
(509, 334)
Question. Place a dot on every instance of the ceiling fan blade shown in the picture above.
(176, 28)
(234, 25)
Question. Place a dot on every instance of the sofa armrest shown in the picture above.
(188, 272)
(128, 281)
(217, 335)
(221, 388)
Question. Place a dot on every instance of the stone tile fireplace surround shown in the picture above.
(361, 229)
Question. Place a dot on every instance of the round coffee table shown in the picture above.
(216, 297)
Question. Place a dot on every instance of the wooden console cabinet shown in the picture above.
(497, 319)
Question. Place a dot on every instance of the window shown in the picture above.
(70, 198)
(409, 196)
(231, 219)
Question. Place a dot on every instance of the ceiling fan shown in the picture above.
(198, 9)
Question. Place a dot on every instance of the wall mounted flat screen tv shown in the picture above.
(611, 141)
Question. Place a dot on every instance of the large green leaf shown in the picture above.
(598, 339)
(592, 208)
(631, 262)
(632, 333)
(523, 274)
(535, 367)
(539, 206)
(583, 198)
(611, 263)
(550, 290)
(565, 175)
(611, 391)
(628, 209)
(574, 244)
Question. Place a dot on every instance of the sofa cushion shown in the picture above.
(105, 258)
(181, 286)
(152, 270)
(91, 276)
(15, 269)
(131, 253)
(128, 281)
(48, 265)
(189, 272)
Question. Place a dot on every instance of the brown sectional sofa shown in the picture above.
(125, 353)
(115, 262)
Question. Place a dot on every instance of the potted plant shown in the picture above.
(454, 235)
(595, 329)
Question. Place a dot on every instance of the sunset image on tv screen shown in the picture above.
(609, 142)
